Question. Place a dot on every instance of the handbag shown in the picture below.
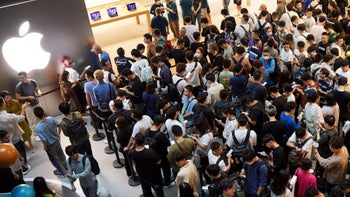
(295, 157)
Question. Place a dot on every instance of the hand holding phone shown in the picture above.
(229, 153)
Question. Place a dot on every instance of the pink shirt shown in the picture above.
(304, 181)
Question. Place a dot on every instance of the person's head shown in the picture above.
(301, 27)
(248, 156)
(290, 107)
(66, 61)
(157, 61)
(135, 53)
(96, 48)
(224, 12)
(158, 120)
(185, 190)
(181, 69)
(329, 120)
(5, 137)
(172, 113)
(216, 148)
(40, 186)
(257, 64)
(176, 130)
(226, 63)
(242, 120)
(274, 91)
(344, 186)
(336, 143)
(280, 182)
(330, 99)
(64, 107)
(189, 55)
(180, 159)
(324, 37)
(122, 123)
(238, 68)
(140, 139)
(212, 170)
(212, 48)
(121, 93)
(89, 75)
(306, 78)
(227, 188)
(106, 64)
(64, 76)
(306, 164)
(271, 111)
(324, 73)
(196, 36)
(344, 65)
(248, 100)
(151, 87)
(313, 97)
(268, 140)
(39, 112)
(223, 94)
(6, 95)
(180, 42)
(257, 75)
(147, 38)
(121, 52)
(72, 152)
(99, 75)
(312, 192)
(22, 76)
(141, 47)
(127, 73)
(342, 81)
(188, 20)
(137, 114)
(202, 97)
(188, 90)
(300, 132)
(222, 43)
(157, 33)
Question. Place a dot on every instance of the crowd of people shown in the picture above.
(260, 105)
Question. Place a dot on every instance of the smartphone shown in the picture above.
(315, 144)
(229, 153)
(87, 67)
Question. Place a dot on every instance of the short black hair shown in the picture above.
(118, 104)
(336, 142)
(267, 138)
(248, 155)
(242, 120)
(330, 120)
(171, 112)
(140, 46)
(306, 164)
(210, 77)
(71, 150)
(148, 36)
(176, 130)
(290, 106)
(300, 132)
(179, 156)
(225, 184)
(215, 145)
(213, 169)
(224, 12)
(137, 113)
(311, 192)
(120, 52)
(158, 120)
(140, 139)
(135, 53)
(64, 107)
(39, 112)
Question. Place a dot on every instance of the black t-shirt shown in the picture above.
(187, 41)
(276, 128)
(280, 103)
(115, 115)
(231, 19)
(136, 87)
(216, 60)
(123, 136)
(278, 158)
(161, 145)
(178, 55)
(257, 113)
(146, 165)
(207, 112)
(343, 98)
(214, 186)
(322, 48)
(194, 46)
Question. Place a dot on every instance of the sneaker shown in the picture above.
(169, 186)
(26, 169)
(37, 138)
(56, 172)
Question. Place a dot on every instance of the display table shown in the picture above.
(122, 11)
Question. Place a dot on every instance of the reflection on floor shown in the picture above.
(124, 34)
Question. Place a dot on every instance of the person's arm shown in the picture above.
(88, 100)
(262, 179)
(24, 107)
(87, 169)
(328, 163)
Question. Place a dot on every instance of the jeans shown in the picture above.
(22, 150)
(90, 191)
(198, 19)
(85, 147)
(57, 157)
(226, 4)
(165, 165)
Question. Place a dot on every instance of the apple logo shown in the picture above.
(25, 53)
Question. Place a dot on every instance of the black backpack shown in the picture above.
(151, 141)
(238, 148)
(95, 168)
(75, 127)
(261, 28)
(173, 93)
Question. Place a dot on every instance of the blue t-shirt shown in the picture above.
(47, 130)
(88, 88)
(186, 8)
(255, 177)
(238, 85)
(104, 92)
(171, 16)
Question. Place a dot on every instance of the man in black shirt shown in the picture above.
(276, 159)
(178, 52)
(226, 15)
(147, 167)
(118, 107)
(215, 57)
(273, 126)
(213, 171)
(279, 100)
(343, 98)
(134, 90)
(159, 143)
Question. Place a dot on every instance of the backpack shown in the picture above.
(146, 73)
(75, 127)
(212, 39)
(238, 148)
(230, 38)
(294, 156)
(95, 168)
(168, 45)
(261, 28)
(151, 141)
(173, 93)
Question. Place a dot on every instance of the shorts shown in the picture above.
(237, 2)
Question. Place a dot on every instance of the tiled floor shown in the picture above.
(120, 34)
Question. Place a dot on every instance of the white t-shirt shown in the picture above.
(169, 123)
(181, 85)
(142, 125)
(240, 135)
(213, 159)
(214, 93)
(73, 74)
(317, 31)
(194, 79)
(307, 146)
(313, 115)
(230, 125)
(205, 140)
(190, 29)
(108, 78)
